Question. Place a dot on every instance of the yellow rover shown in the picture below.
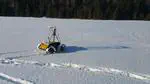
(53, 45)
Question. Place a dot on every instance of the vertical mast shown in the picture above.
(54, 34)
(53, 37)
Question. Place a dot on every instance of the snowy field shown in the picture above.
(98, 52)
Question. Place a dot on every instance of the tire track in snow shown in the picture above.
(145, 78)
(134, 36)
(131, 35)
(13, 80)
(15, 52)
(97, 70)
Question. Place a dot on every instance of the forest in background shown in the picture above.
(84, 9)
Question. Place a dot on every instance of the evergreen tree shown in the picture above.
(91, 9)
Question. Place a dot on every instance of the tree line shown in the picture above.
(84, 9)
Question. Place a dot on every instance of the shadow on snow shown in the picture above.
(71, 49)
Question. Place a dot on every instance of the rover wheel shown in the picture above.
(62, 47)
(51, 50)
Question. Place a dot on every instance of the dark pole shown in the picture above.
(54, 34)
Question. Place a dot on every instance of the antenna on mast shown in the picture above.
(53, 37)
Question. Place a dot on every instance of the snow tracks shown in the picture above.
(13, 80)
(97, 70)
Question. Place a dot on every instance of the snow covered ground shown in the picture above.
(98, 52)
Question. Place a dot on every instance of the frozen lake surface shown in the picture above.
(98, 52)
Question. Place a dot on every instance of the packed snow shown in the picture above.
(97, 52)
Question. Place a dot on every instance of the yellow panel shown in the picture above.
(43, 46)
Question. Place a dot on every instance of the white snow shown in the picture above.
(98, 52)
(74, 66)
(14, 80)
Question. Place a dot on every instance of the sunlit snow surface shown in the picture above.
(98, 52)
